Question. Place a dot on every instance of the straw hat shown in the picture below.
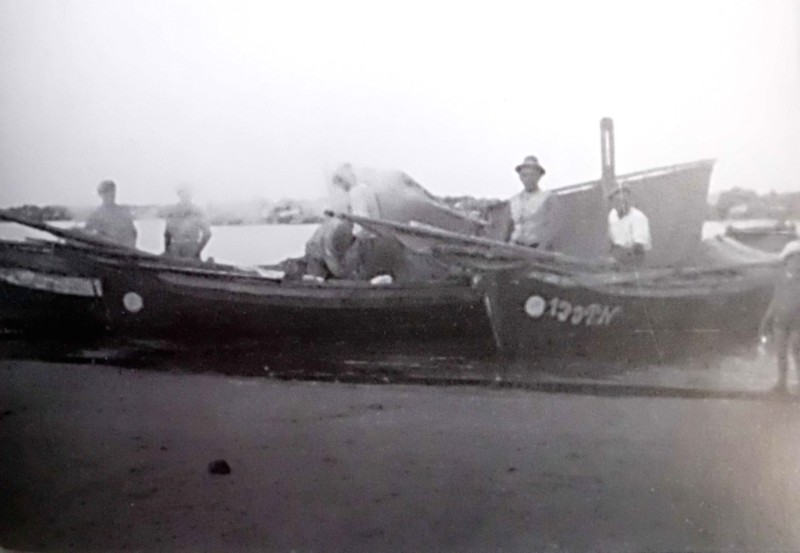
(530, 162)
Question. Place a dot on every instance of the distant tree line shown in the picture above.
(734, 203)
(40, 214)
(747, 204)
(245, 213)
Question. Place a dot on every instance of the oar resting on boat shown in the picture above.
(425, 238)
(488, 261)
(487, 255)
(75, 236)
(111, 250)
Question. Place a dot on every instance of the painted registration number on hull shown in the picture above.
(563, 311)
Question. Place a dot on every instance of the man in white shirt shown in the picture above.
(628, 228)
(534, 212)
(374, 255)
(361, 198)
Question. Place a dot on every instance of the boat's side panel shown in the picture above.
(168, 303)
(532, 316)
(40, 292)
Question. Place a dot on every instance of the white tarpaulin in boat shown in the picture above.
(401, 199)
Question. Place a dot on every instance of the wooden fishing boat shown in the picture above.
(527, 299)
(548, 303)
(576, 300)
(653, 315)
(131, 293)
(41, 292)
(160, 298)
(673, 198)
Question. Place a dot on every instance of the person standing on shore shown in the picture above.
(187, 230)
(534, 212)
(111, 221)
(782, 319)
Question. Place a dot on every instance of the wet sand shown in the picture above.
(97, 458)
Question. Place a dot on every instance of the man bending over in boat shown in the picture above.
(535, 213)
(782, 319)
(329, 251)
(187, 231)
(111, 221)
(628, 228)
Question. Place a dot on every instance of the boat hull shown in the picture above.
(534, 313)
(41, 293)
(150, 299)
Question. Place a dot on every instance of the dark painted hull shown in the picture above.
(40, 292)
(150, 298)
(534, 313)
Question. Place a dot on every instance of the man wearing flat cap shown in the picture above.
(111, 221)
(534, 212)
(628, 228)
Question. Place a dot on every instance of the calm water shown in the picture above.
(236, 245)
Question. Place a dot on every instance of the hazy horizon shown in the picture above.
(248, 99)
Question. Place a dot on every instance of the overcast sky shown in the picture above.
(248, 99)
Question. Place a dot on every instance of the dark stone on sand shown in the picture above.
(220, 466)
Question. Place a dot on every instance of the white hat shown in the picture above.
(792, 248)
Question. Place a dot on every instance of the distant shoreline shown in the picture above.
(732, 204)
(279, 215)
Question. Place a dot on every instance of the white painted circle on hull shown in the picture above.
(535, 306)
(133, 302)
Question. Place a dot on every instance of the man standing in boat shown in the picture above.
(534, 212)
(628, 228)
(372, 255)
(187, 230)
(782, 319)
(111, 221)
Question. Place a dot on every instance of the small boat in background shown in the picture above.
(769, 237)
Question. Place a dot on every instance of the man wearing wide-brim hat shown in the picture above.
(782, 319)
(534, 212)
(628, 228)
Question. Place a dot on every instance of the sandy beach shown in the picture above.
(98, 458)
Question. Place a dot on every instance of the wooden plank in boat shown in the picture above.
(57, 284)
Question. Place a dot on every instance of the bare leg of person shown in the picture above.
(794, 341)
(782, 350)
